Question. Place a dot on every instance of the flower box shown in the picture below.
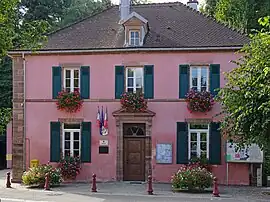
(133, 102)
(70, 102)
(199, 101)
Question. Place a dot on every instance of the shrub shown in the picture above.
(199, 101)
(69, 101)
(192, 177)
(133, 102)
(202, 162)
(36, 176)
(70, 167)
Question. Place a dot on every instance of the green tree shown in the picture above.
(5, 117)
(79, 9)
(242, 14)
(245, 99)
(15, 32)
(209, 7)
(6, 82)
(48, 10)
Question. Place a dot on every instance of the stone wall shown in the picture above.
(18, 120)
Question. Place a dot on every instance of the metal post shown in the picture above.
(8, 184)
(94, 183)
(150, 187)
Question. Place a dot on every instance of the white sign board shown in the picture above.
(164, 153)
(103, 142)
(248, 154)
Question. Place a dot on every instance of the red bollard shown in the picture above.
(150, 187)
(47, 182)
(215, 188)
(8, 184)
(94, 183)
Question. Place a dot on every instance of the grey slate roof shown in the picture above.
(172, 25)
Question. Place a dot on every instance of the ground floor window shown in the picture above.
(71, 142)
(198, 141)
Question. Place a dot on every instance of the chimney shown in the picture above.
(193, 4)
(124, 9)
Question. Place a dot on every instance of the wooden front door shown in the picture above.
(134, 152)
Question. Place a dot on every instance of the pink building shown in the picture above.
(162, 50)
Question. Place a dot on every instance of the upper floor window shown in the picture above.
(134, 38)
(71, 79)
(198, 140)
(199, 77)
(134, 79)
(71, 140)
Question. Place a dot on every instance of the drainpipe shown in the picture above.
(24, 111)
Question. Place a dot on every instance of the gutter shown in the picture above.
(115, 50)
(24, 111)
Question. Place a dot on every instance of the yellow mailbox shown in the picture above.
(34, 163)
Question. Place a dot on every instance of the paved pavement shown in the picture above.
(124, 192)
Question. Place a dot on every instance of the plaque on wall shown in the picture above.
(164, 153)
(103, 150)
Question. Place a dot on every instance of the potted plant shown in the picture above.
(192, 178)
(133, 102)
(202, 162)
(70, 167)
(70, 102)
(199, 101)
(35, 176)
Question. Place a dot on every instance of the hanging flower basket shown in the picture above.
(199, 101)
(133, 102)
(70, 102)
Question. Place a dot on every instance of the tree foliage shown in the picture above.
(241, 14)
(245, 99)
(79, 9)
(47, 10)
(209, 7)
(5, 116)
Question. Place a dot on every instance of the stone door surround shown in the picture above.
(122, 117)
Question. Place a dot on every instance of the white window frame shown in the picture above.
(72, 78)
(134, 79)
(199, 74)
(198, 131)
(130, 31)
(71, 140)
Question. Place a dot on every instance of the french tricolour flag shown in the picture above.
(106, 119)
(98, 118)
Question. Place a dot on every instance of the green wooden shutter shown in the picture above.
(119, 81)
(56, 81)
(183, 80)
(215, 144)
(55, 142)
(86, 142)
(214, 78)
(149, 81)
(85, 82)
(182, 143)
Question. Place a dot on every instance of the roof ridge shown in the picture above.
(157, 4)
(81, 20)
(213, 19)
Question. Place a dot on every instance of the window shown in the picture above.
(134, 38)
(198, 140)
(71, 79)
(134, 79)
(71, 140)
(199, 78)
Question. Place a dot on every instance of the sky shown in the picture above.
(160, 1)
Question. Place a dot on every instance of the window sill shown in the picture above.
(107, 100)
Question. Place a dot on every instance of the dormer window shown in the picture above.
(134, 38)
